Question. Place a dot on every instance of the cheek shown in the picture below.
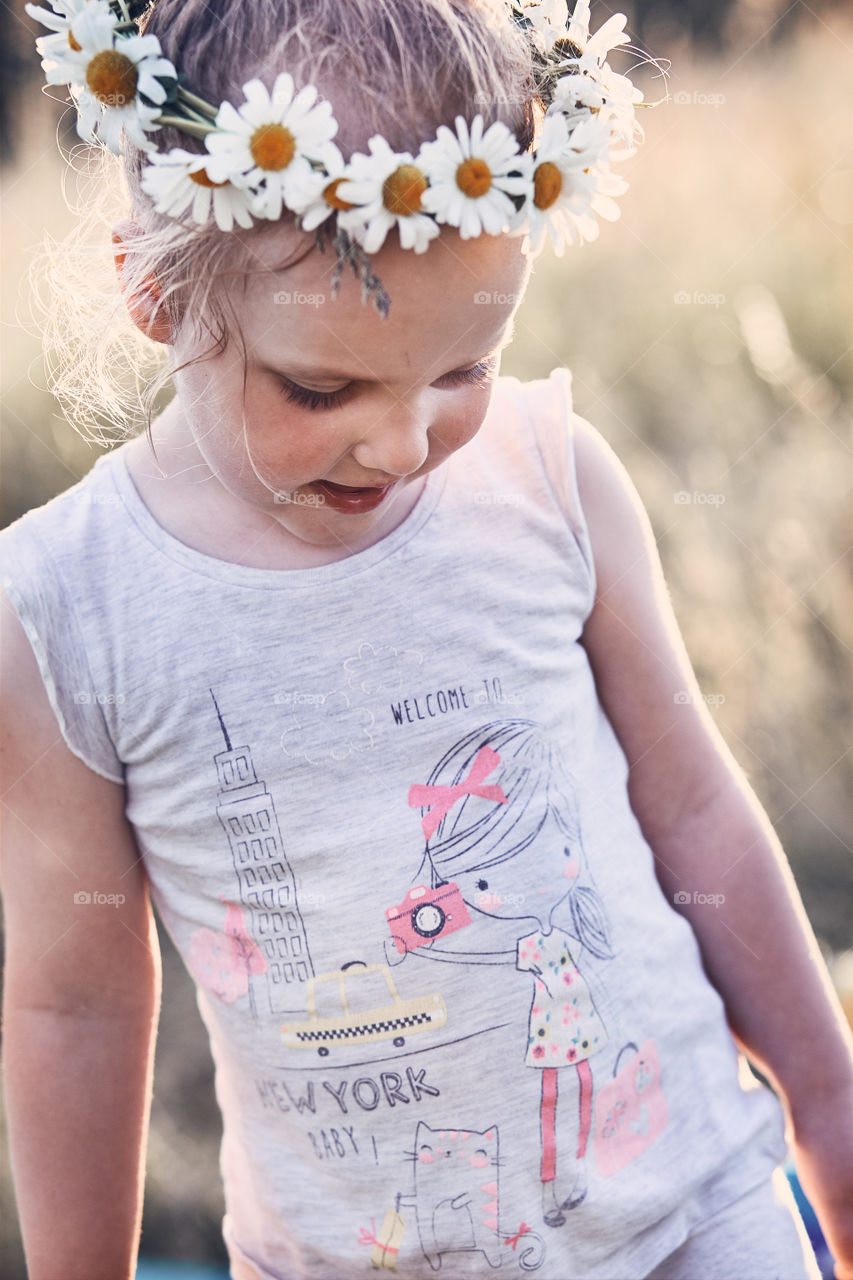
(456, 427)
(289, 439)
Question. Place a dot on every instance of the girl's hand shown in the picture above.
(823, 1151)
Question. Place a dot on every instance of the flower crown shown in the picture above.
(275, 151)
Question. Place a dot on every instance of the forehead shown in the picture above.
(450, 304)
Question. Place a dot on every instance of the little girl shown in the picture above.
(361, 666)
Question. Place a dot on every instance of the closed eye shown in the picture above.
(477, 376)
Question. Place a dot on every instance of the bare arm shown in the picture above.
(709, 834)
(81, 991)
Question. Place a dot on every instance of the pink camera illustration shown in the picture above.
(425, 914)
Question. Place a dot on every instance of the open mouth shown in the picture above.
(342, 497)
(348, 488)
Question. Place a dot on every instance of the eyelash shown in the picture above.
(476, 376)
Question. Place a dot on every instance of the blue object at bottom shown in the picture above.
(807, 1213)
(162, 1269)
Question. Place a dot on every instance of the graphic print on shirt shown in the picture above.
(232, 964)
(223, 962)
(395, 1019)
(499, 810)
(456, 1199)
(631, 1109)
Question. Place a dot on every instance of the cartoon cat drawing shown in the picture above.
(456, 1192)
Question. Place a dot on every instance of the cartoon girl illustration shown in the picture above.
(499, 814)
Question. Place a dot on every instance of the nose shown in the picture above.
(397, 443)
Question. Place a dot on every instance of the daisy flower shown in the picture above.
(178, 179)
(57, 20)
(314, 195)
(594, 49)
(607, 95)
(386, 187)
(267, 142)
(565, 183)
(105, 73)
(549, 19)
(473, 176)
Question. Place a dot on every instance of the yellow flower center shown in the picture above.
(547, 184)
(201, 177)
(112, 77)
(272, 146)
(330, 195)
(473, 177)
(402, 190)
(73, 43)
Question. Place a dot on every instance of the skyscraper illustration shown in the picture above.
(267, 886)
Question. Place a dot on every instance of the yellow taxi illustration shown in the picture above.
(393, 1021)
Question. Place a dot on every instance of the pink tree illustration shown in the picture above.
(223, 962)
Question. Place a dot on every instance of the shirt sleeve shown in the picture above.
(35, 587)
(553, 421)
(524, 953)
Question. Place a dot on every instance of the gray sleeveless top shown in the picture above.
(386, 823)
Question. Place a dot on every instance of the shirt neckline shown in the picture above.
(250, 576)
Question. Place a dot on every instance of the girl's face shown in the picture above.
(335, 393)
(531, 883)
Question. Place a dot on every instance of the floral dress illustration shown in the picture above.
(564, 1024)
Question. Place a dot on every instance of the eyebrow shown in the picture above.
(320, 372)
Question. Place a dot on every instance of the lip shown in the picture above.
(348, 499)
(354, 488)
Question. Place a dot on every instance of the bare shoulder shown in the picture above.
(644, 677)
(78, 922)
(611, 504)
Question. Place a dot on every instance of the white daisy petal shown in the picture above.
(201, 205)
(607, 37)
(222, 215)
(283, 89)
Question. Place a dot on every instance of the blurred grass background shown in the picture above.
(709, 333)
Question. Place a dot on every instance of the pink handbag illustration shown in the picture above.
(630, 1110)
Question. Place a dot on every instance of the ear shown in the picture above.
(146, 307)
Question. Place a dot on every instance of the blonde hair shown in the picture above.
(395, 67)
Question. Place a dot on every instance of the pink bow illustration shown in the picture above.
(440, 799)
(369, 1237)
(522, 1231)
